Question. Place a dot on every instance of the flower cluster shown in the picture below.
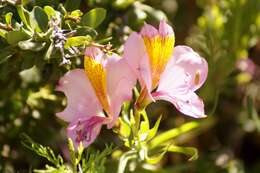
(95, 94)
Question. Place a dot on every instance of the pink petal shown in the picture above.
(189, 104)
(174, 80)
(95, 53)
(135, 55)
(120, 82)
(191, 64)
(85, 130)
(148, 31)
(81, 98)
(185, 72)
(165, 29)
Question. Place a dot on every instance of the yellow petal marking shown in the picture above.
(159, 49)
(96, 74)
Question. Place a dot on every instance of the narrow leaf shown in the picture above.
(170, 134)
(190, 151)
(8, 18)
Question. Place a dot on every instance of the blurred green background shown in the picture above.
(225, 32)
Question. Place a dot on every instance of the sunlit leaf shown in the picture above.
(24, 15)
(77, 41)
(153, 131)
(51, 13)
(170, 134)
(154, 159)
(94, 17)
(8, 18)
(190, 151)
(76, 13)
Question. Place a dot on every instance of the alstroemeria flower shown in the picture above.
(164, 71)
(95, 95)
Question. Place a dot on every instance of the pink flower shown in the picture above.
(164, 71)
(95, 95)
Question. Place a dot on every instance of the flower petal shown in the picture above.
(174, 80)
(135, 55)
(85, 130)
(192, 64)
(94, 64)
(185, 72)
(159, 48)
(120, 82)
(165, 29)
(148, 31)
(189, 104)
(81, 98)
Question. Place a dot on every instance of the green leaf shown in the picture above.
(8, 18)
(77, 41)
(14, 37)
(145, 125)
(31, 45)
(153, 131)
(170, 134)
(94, 17)
(85, 30)
(22, 13)
(151, 159)
(76, 13)
(190, 151)
(39, 19)
(72, 151)
(48, 53)
(125, 129)
(51, 13)
(50, 169)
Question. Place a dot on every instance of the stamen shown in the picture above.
(197, 77)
